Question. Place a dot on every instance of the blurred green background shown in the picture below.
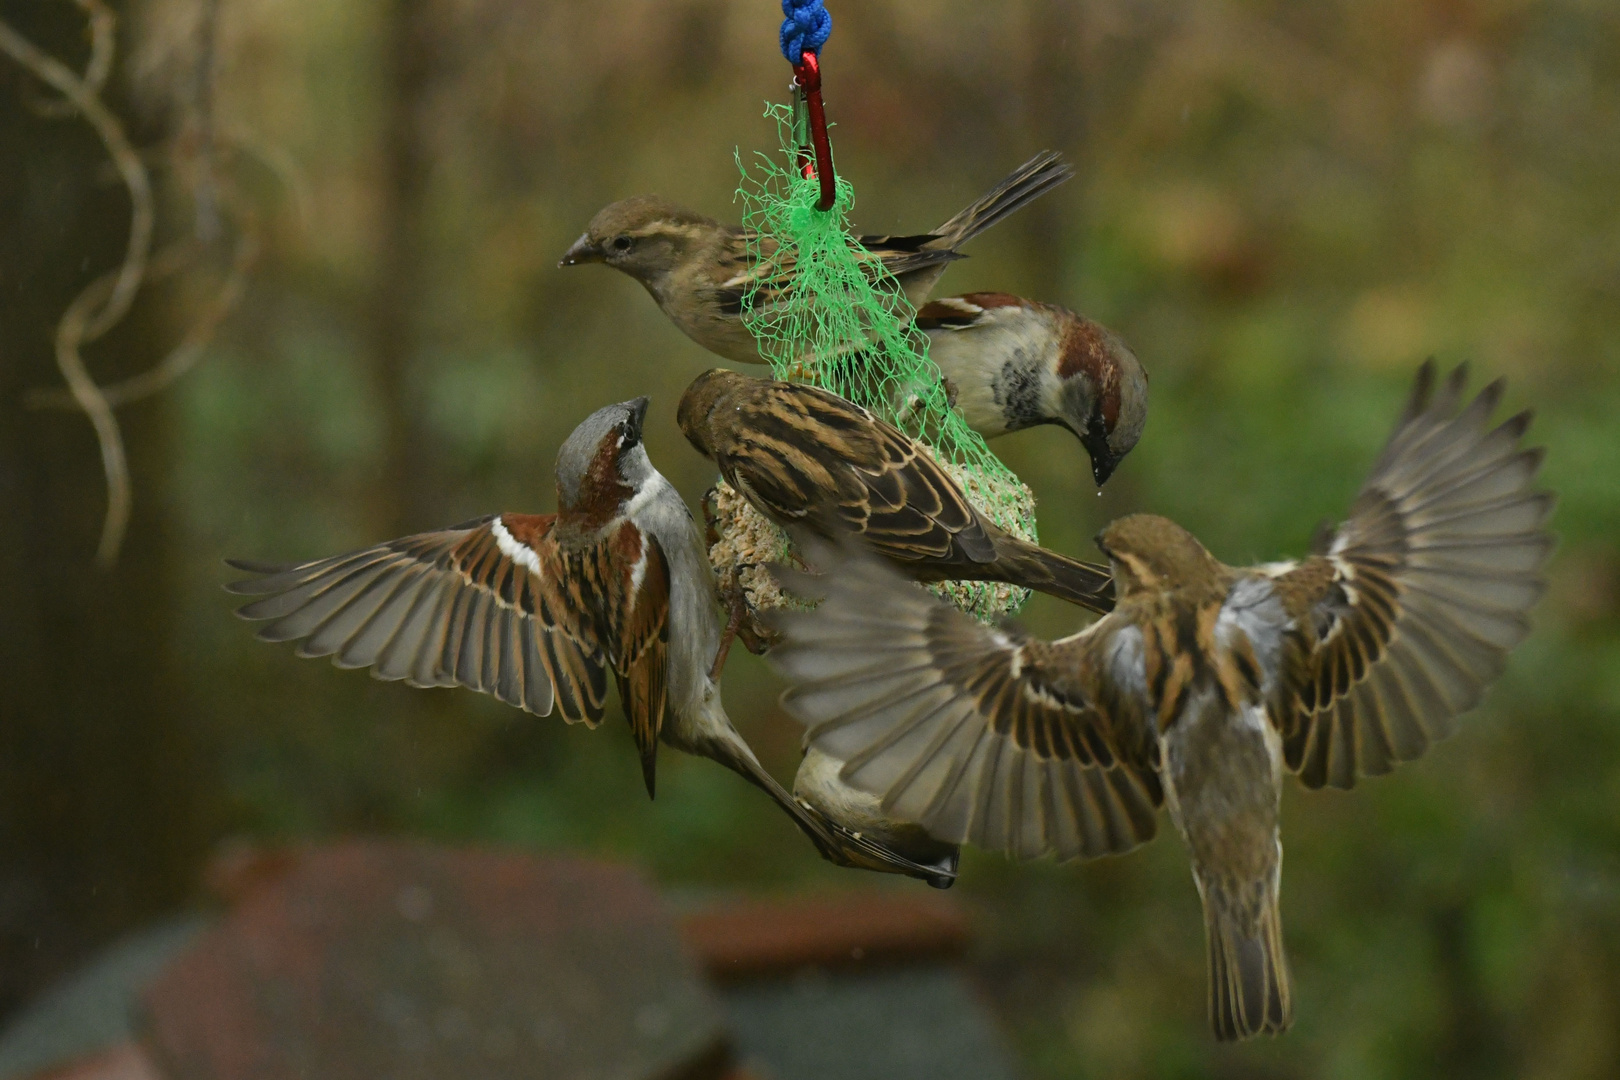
(1283, 207)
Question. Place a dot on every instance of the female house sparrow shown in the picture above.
(1014, 363)
(699, 271)
(1201, 686)
(537, 609)
(806, 458)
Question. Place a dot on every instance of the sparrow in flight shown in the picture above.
(701, 272)
(1011, 363)
(808, 459)
(1201, 687)
(538, 610)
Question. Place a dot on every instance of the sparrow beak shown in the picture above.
(1103, 466)
(1103, 459)
(637, 418)
(583, 251)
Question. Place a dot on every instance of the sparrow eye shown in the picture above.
(622, 243)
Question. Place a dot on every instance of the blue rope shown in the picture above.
(805, 29)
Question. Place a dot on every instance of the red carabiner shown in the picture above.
(807, 74)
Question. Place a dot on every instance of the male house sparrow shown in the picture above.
(1013, 363)
(700, 271)
(1201, 686)
(537, 609)
(806, 458)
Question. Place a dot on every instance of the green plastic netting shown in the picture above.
(841, 322)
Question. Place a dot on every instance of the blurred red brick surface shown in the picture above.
(397, 960)
(124, 1062)
(756, 938)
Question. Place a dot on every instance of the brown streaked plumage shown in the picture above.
(1013, 363)
(701, 272)
(806, 458)
(1203, 684)
(537, 610)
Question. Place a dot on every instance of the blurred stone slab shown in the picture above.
(94, 1010)
(408, 962)
(763, 938)
(898, 1023)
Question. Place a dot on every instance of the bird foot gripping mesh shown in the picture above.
(841, 322)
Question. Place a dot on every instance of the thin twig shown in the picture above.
(185, 355)
(102, 25)
(69, 333)
(281, 165)
(77, 322)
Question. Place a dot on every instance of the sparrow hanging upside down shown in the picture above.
(700, 271)
(537, 610)
(1013, 363)
(1201, 687)
(806, 458)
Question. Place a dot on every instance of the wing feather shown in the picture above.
(1408, 613)
(452, 607)
(978, 734)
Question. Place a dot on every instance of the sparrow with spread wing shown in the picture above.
(538, 610)
(1203, 684)
(1011, 363)
(701, 272)
(806, 458)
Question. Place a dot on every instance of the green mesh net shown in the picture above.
(841, 322)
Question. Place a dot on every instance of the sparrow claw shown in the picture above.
(742, 623)
(731, 596)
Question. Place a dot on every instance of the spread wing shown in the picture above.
(977, 734)
(805, 455)
(1407, 614)
(489, 605)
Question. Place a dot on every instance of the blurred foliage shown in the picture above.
(1283, 207)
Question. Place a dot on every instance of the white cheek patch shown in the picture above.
(521, 554)
(652, 488)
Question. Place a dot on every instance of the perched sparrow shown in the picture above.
(700, 271)
(1014, 363)
(537, 609)
(806, 458)
(1201, 686)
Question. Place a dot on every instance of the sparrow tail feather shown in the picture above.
(1088, 585)
(1249, 990)
(1022, 186)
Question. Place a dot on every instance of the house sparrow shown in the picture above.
(701, 272)
(1204, 683)
(537, 609)
(808, 459)
(859, 819)
(1013, 363)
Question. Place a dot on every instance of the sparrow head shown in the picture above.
(602, 463)
(1154, 554)
(706, 393)
(1103, 394)
(644, 236)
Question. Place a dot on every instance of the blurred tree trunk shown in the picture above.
(103, 801)
(404, 499)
